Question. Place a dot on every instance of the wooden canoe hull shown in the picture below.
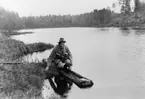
(79, 80)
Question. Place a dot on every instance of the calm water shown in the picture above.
(114, 59)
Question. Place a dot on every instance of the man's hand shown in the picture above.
(49, 62)
(61, 64)
(68, 62)
(46, 69)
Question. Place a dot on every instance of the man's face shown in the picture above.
(61, 45)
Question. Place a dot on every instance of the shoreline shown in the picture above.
(137, 27)
(15, 33)
(20, 79)
(100, 26)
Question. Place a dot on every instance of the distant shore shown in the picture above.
(15, 33)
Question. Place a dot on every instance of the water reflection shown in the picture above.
(103, 29)
(139, 32)
(124, 28)
(125, 31)
(60, 86)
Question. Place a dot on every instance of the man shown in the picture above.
(60, 57)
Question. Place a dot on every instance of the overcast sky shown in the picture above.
(45, 7)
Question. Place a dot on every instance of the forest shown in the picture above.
(10, 20)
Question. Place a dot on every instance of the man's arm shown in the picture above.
(50, 58)
(52, 55)
(70, 55)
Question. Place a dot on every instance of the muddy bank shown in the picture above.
(23, 80)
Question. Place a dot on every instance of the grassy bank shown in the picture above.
(23, 80)
(38, 47)
(12, 49)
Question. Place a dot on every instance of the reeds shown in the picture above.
(11, 49)
(23, 80)
(38, 47)
(26, 77)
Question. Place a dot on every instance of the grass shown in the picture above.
(18, 95)
(11, 49)
(23, 80)
(38, 47)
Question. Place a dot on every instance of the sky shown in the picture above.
(46, 7)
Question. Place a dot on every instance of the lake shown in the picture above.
(113, 58)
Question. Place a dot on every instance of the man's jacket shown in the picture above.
(53, 69)
(60, 51)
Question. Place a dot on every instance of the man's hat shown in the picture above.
(61, 40)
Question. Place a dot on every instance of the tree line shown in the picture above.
(126, 6)
(10, 20)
